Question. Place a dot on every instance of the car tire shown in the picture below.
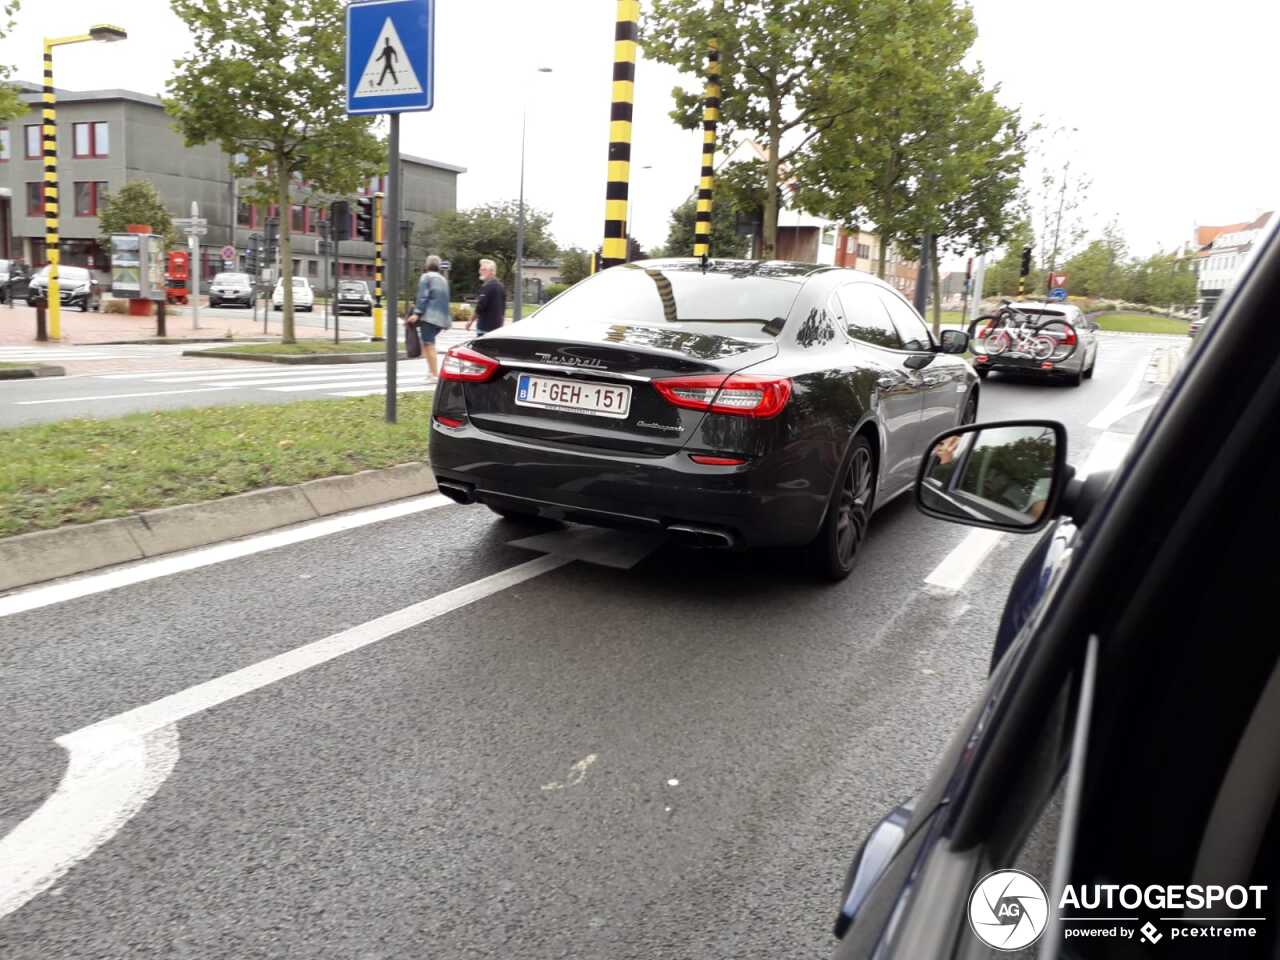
(834, 552)
(1076, 378)
(982, 374)
(1088, 374)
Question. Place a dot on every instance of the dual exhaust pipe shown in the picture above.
(683, 533)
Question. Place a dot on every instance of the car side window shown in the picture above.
(913, 331)
(865, 317)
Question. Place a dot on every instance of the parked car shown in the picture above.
(303, 296)
(996, 345)
(742, 404)
(1196, 325)
(354, 297)
(229, 288)
(77, 287)
(1126, 737)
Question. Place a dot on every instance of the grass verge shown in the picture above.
(1140, 323)
(18, 366)
(77, 471)
(301, 347)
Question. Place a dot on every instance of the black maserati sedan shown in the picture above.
(729, 403)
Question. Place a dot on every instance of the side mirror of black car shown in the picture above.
(954, 341)
(1003, 476)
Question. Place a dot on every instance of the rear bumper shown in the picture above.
(1030, 366)
(748, 505)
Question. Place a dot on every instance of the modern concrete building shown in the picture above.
(107, 138)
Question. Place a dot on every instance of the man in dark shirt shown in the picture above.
(491, 304)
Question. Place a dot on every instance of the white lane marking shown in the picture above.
(119, 396)
(1108, 453)
(109, 777)
(429, 385)
(144, 570)
(157, 373)
(959, 565)
(116, 765)
(276, 374)
(310, 382)
(377, 378)
(1119, 404)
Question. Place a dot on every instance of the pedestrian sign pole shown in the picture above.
(390, 69)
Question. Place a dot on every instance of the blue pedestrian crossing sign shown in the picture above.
(390, 56)
(1058, 293)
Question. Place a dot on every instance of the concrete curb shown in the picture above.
(304, 358)
(49, 554)
(24, 373)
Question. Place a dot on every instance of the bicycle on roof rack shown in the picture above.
(1012, 333)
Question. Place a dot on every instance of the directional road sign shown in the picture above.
(1058, 293)
(390, 56)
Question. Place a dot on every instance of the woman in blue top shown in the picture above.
(431, 310)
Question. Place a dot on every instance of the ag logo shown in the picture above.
(1008, 910)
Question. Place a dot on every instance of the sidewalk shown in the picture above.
(18, 326)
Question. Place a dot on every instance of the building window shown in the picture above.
(32, 131)
(35, 199)
(312, 269)
(864, 250)
(296, 219)
(4, 144)
(244, 213)
(90, 197)
(90, 139)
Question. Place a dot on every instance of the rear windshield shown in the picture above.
(736, 299)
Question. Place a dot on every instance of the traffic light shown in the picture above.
(340, 217)
(252, 255)
(1026, 261)
(273, 239)
(364, 218)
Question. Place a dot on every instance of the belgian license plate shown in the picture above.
(573, 396)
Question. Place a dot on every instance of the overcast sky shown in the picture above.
(1171, 101)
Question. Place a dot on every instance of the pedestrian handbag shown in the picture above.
(412, 342)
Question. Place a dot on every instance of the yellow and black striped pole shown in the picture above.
(625, 34)
(378, 332)
(710, 117)
(49, 139)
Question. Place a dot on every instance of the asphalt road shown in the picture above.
(673, 760)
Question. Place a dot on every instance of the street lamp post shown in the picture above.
(49, 143)
(517, 306)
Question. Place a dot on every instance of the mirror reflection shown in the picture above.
(1000, 475)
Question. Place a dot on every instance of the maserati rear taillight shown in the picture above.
(741, 394)
(463, 363)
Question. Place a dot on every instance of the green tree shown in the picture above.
(725, 241)
(265, 81)
(928, 149)
(135, 202)
(486, 232)
(784, 66)
(575, 265)
(11, 104)
(1099, 270)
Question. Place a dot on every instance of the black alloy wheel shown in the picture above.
(835, 549)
